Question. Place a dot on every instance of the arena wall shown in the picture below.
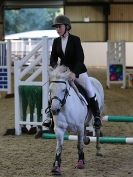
(96, 54)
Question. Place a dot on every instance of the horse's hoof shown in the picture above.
(86, 140)
(38, 134)
(56, 170)
(99, 154)
(32, 131)
(80, 164)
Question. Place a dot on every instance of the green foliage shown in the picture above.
(31, 97)
(29, 19)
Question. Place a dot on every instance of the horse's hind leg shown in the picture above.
(56, 170)
(86, 139)
(80, 163)
(98, 147)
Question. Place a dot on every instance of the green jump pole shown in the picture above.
(113, 140)
(118, 118)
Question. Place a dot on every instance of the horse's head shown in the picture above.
(58, 89)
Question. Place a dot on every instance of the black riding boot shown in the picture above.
(50, 123)
(95, 111)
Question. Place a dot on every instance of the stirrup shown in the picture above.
(46, 124)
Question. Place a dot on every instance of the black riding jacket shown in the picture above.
(73, 57)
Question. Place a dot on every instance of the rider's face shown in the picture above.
(60, 29)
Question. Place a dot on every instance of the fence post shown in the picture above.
(9, 91)
(45, 82)
(17, 98)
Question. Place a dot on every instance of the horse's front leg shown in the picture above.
(80, 163)
(56, 170)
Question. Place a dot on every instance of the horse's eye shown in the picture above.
(63, 90)
(49, 93)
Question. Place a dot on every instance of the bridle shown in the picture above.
(62, 101)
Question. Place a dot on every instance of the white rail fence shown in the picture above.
(27, 76)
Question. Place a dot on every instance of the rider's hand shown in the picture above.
(72, 76)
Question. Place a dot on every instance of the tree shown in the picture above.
(29, 19)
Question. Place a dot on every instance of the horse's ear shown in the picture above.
(65, 74)
(50, 69)
(68, 74)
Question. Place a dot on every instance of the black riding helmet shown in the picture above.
(62, 19)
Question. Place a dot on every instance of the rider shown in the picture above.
(68, 48)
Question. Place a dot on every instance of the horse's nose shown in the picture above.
(55, 111)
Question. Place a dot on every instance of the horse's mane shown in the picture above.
(59, 72)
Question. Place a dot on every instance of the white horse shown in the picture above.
(70, 112)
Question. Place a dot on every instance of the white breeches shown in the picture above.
(85, 82)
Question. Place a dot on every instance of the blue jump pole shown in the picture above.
(118, 118)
